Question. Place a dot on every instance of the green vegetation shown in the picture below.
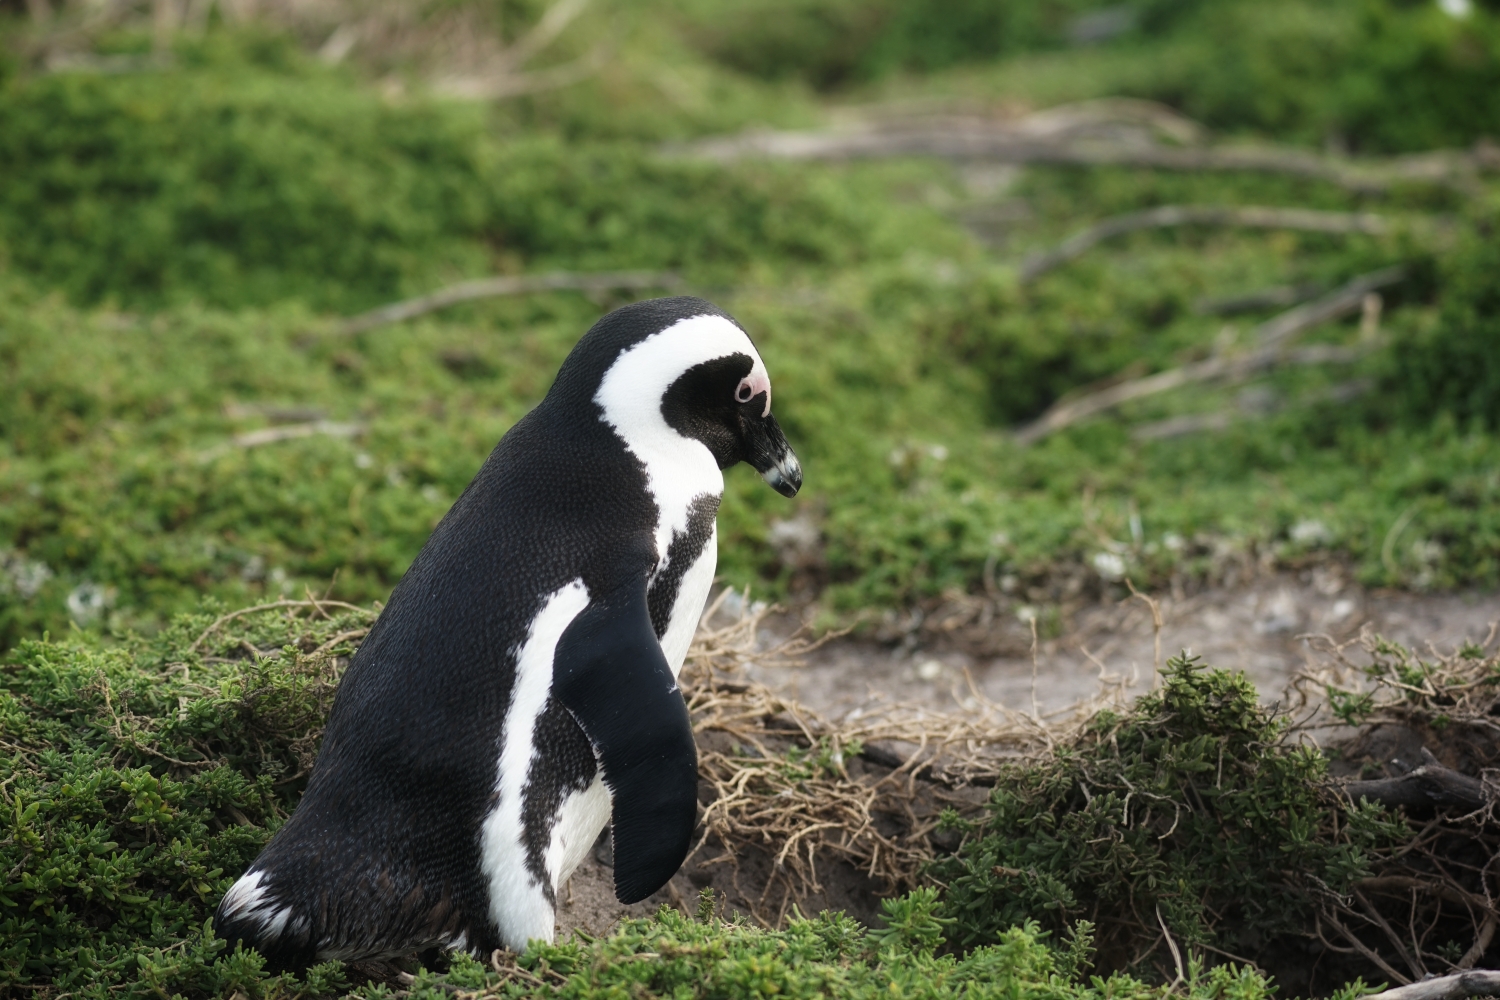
(1450, 365)
(1369, 74)
(1194, 810)
(141, 777)
(117, 475)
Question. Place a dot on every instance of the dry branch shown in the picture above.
(1342, 302)
(494, 86)
(286, 432)
(1431, 785)
(468, 291)
(503, 77)
(1474, 983)
(290, 432)
(1250, 216)
(1014, 142)
(1270, 337)
(1265, 298)
(1218, 420)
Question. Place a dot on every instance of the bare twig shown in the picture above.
(1481, 943)
(503, 76)
(1035, 714)
(1176, 954)
(1156, 626)
(1339, 303)
(1218, 420)
(1442, 890)
(468, 291)
(1474, 983)
(223, 619)
(276, 413)
(543, 33)
(1250, 216)
(290, 432)
(494, 86)
(286, 432)
(1270, 337)
(1279, 296)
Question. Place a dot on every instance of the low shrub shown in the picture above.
(1375, 75)
(832, 42)
(1194, 815)
(236, 185)
(140, 780)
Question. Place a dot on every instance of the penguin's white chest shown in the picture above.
(692, 596)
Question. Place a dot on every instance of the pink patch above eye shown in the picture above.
(753, 385)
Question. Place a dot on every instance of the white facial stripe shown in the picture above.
(753, 385)
(518, 904)
(678, 468)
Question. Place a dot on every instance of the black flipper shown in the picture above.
(610, 672)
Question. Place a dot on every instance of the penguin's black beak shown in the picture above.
(767, 451)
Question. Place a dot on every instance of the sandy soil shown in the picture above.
(1260, 629)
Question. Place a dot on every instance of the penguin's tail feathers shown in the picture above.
(251, 914)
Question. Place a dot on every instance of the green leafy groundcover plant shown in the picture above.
(140, 778)
(1194, 811)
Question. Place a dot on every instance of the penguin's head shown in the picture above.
(679, 372)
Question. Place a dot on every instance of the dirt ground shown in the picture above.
(1258, 629)
(926, 660)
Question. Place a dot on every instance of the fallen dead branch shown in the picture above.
(276, 413)
(1166, 216)
(1218, 420)
(504, 76)
(462, 44)
(525, 284)
(1279, 296)
(1018, 142)
(1473, 983)
(285, 432)
(1431, 785)
(1269, 340)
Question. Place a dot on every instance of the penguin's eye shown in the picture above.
(753, 385)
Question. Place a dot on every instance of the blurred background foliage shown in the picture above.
(194, 190)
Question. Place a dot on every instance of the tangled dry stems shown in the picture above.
(1432, 904)
(867, 790)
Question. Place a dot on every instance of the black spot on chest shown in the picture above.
(684, 551)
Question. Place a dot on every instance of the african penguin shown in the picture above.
(519, 690)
